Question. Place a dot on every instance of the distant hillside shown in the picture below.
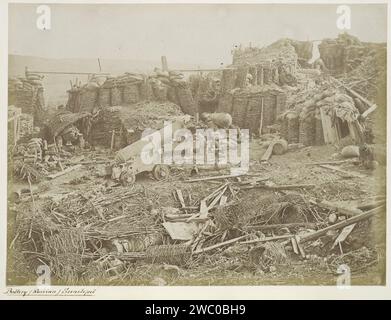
(57, 85)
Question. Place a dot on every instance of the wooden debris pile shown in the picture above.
(102, 232)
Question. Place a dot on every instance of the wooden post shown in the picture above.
(112, 139)
(261, 77)
(164, 63)
(261, 120)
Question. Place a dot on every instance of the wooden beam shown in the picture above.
(352, 174)
(372, 106)
(340, 225)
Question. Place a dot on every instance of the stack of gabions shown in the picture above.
(275, 63)
(132, 88)
(252, 106)
(27, 94)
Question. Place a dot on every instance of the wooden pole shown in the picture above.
(261, 121)
(340, 225)
(112, 139)
(372, 106)
(164, 63)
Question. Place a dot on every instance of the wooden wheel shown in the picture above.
(160, 172)
(127, 178)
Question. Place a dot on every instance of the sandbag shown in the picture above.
(350, 151)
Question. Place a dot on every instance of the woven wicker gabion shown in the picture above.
(241, 213)
(64, 251)
(239, 107)
(282, 121)
(228, 80)
(145, 90)
(225, 103)
(173, 254)
(319, 138)
(116, 96)
(88, 99)
(307, 131)
(186, 101)
(172, 95)
(131, 94)
(104, 97)
(241, 76)
(26, 124)
(292, 125)
(267, 75)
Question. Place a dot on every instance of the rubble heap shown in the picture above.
(125, 124)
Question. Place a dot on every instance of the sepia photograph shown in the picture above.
(214, 144)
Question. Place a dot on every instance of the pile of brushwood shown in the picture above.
(97, 235)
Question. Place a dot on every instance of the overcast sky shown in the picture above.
(195, 34)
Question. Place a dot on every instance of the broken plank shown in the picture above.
(342, 224)
(215, 177)
(67, 170)
(203, 209)
(327, 162)
(266, 156)
(281, 187)
(221, 244)
(283, 225)
(294, 245)
(181, 230)
(299, 246)
(180, 197)
(217, 198)
(352, 174)
(336, 207)
(287, 236)
(223, 200)
(343, 235)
